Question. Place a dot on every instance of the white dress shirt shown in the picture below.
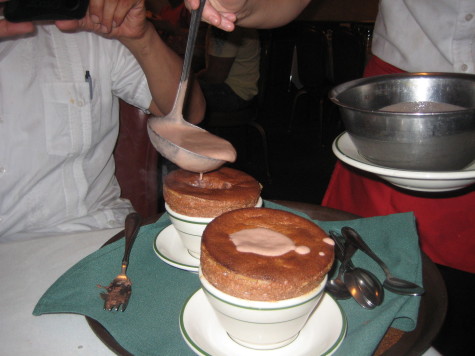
(58, 130)
(426, 35)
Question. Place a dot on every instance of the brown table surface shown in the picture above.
(396, 342)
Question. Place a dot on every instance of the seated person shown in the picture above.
(229, 81)
(59, 117)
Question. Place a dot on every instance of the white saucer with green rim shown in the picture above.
(322, 335)
(170, 249)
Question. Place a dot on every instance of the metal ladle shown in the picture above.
(188, 146)
(391, 283)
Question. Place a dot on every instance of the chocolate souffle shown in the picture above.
(300, 265)
(212, 194)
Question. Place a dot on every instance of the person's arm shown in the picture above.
(221, 51)
(225, 14)
(162, 67)
(126, 21)
(217, 69)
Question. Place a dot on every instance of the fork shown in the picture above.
(120, 289)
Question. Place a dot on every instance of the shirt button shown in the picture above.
(468, 17)
(464, 67)
(80, 103)
(2, 171)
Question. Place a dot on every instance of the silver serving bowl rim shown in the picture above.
(341, 88)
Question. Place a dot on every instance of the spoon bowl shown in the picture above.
(401, 286)
(337, 288)
(188, 146)
(364, 287)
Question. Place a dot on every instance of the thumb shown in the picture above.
(67, 25)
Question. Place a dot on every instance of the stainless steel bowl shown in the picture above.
(422, 141)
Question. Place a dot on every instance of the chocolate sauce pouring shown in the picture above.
(188, 146)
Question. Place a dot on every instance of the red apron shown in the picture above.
(445, 221)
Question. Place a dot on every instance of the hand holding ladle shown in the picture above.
(188, 146)
(391, 283)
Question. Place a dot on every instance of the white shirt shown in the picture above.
(56, 142)
(426, 35)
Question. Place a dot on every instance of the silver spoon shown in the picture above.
(364, 287)
(358, 283)
(337, 287)
(188, 146)
(391, 283)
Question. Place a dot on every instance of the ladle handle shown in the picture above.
(189, 50)
(355, 238)
(191, 40)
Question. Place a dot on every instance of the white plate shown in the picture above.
(170, 249)
(200, 328)
(344, 148)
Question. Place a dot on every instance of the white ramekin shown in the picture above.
(191, 228)
(262, 325)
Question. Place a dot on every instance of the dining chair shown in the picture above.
(137, 162)
(248, 118)
(309, 73)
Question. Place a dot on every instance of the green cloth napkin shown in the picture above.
(150, 325)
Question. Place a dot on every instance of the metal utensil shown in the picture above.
(337, 287)
(356, 282)
(364, 287)
(391, 283)
(439, 139)
(188, 146)
(120, 289)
